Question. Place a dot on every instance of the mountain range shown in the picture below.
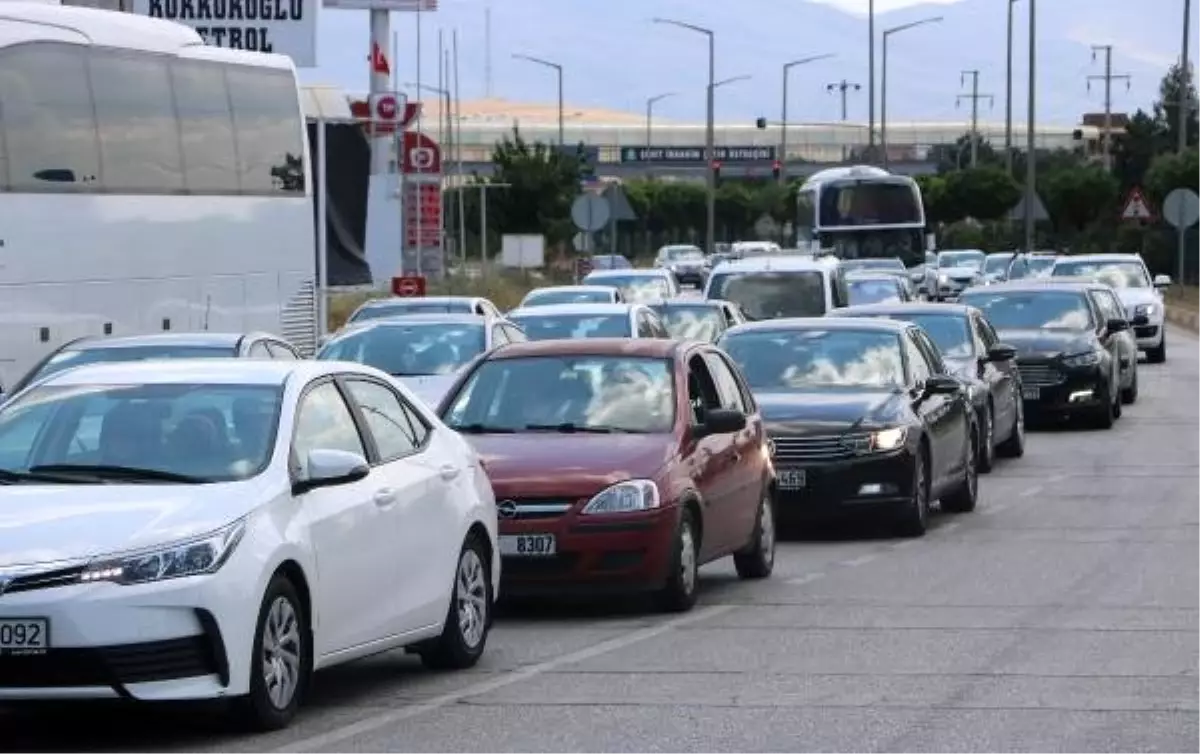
(613, 55)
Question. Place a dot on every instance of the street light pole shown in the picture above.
(1008, 95)
(558, 70)
(710, 231)
(883, 79)
(1030, 144)
(871, 78)
(650, 113)
(783, 118)
(1185, 101)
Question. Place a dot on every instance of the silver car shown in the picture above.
(958, 270)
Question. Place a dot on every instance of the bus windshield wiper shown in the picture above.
(570, 427)
(107, 473)
(482, 429)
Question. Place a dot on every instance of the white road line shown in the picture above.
(1032, 491)
(331, 740)
(806, 579)
(860, 560)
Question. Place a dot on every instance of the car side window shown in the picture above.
(324, 422)
(918, 367)
(280, 351)
(933, 354)
(1109, 308)
(727, 385)
(703, 395)
(657, 328)
(386, 417)
(983, 331)
(259, 350)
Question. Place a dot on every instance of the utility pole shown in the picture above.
(974, 96)
(1107, 77)
(1008, 89)
(843, 86)
(1030, 143)
(487, 51)
(1185, 102)
(871, 79)
(783, 118)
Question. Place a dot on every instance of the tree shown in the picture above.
(956, 156)
(1171, 171)
(1077, 197)
(1171, 92)
(541, 184)
(933, 192)
(1134, 150)
(983, 193)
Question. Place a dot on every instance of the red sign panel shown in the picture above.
(409, 286)
(362, 111)
(422, 215)
(421, 154)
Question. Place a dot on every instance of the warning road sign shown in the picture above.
(1136, 206)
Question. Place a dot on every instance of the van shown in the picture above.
(775, 287)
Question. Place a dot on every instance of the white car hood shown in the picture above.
(959, 272)
(1131, 297)
(430, 388)
(46, 523)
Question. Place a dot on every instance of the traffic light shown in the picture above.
(776, 169)
(761, 124)
(716, 168)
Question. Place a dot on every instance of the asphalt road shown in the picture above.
(1060, 616)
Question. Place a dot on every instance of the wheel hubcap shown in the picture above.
(471, 593)
(919, 492)
(687, 559)
(281, 653)
(766, 533)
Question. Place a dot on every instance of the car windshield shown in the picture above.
(567, 296)
(415, 306)
(566, 394)
(686, 253)
(571, 326)
(948, 332)
(1032, 310)
(973, 259)
(892, 265)
(194, 432)
(784, 360)
(1030, 267)
(771, 295)
(873, 291)
(410, 350)
(692, 322)
(635, 287)
(68, 359)
(1115, 274)
(997, 263)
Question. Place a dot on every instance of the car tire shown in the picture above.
(280, 660)
(1129, 395)
(1014, 445)
(965, 495)
(1158, 354)
(678, 595)
(1105, 417)
(914, 518)
(757, 560)
(468, 619)
(986, 457)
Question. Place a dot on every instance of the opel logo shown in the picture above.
(505, 509)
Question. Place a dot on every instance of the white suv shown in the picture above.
(773, 287)
(1140, 294)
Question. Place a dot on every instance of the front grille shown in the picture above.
(1039, 374)
(114, 666)
(554, 565)
(530, 508)
(45, 580)
(816, 448)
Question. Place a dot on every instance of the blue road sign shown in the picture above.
(696, 154)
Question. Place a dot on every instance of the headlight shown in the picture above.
(1089, 359)
(625, 497)
(1145, 310)
(193, 557)
(888, 439)
(943, 279)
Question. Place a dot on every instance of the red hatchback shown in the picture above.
(619, 465)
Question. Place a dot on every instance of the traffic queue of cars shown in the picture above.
(245, 505)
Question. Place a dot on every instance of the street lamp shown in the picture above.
(1030, 145)
(650, 112)
(1008, 136)
(731, 80)
(559, 71)
(883, 79)
(710, 231)
(783, 119)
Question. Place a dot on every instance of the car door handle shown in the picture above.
(385, 497)
(449, 472)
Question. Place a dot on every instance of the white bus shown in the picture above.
(862, 212)
(148, 183)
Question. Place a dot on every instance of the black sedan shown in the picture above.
(862, 415)
(1068, 351)
(972, 351)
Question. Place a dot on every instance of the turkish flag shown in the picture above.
(379, 62)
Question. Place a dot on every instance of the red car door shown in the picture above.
(712, 462)
(746, 467)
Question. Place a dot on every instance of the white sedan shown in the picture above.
(244, 524)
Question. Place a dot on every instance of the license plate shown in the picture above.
(527, 545)
(1031, 393)
(792, 479)
(24, 635)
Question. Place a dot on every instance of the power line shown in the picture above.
(1107, 77)
(974, 96)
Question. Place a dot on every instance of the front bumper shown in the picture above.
(1051, 388)
(619, 552)
(952, 289)
(180, 639)
(847, 485)
(691, 276)
(1149, 336)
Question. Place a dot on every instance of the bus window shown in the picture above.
(806, 216)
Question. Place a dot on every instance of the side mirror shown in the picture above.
(942, 384)
(1116, 325)
(721, 421)
(1001, 352)
(329, 468)
(1162, 281)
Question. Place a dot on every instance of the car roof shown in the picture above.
(651, 348)
(1095, 258)
(197, 371)
(427, 318)
(832, 322)
(1003, 254)
(581, 288)
(868, 274)
(183, 339)
(960, 251)
(627, 272)
(409, 301)
(1040, 284)
(689, 303)
(909, 307)
(778, 263)
(550, 310)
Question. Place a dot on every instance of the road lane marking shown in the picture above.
(331, 740)
(807, 578)
(1030, 492)
(860, 560)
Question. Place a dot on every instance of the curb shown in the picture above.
(1184, 318)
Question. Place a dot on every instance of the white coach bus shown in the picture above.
(148, 183)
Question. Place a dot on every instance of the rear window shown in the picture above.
(571, 326)
(414, 307)
(68, 359)
(772, 295)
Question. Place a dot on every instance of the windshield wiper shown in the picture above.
(116, 473)
(7, 476)
(570, 427)
(482, 429)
